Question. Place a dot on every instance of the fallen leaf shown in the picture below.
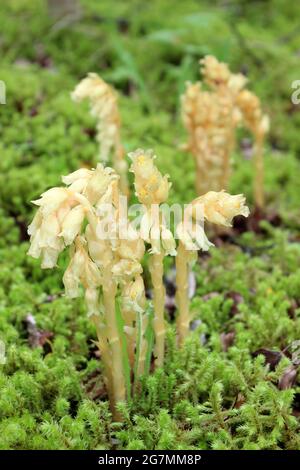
(227, 340)
(272, 358)
(288, 378)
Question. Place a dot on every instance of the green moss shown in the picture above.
(53, 397)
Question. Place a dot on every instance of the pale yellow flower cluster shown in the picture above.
(104, 107)
(250, 107)
(71, 216)
(215, 207)
(150, 186)
(152, 189)
(211, 118)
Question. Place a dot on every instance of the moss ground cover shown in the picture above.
(234, 384)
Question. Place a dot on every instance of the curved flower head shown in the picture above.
(215, 73)
(81, 269)
(133, 296)
(151, 187)
(192, 235)
(104, 106)
(219, 207)
(154, 231)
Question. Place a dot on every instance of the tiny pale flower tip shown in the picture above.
(99, 250)
(185, 237)
(133, 295)
(264, 126)
(237, 81)
(126, 268)
(49, 258)
(36, 223)
(200, 237)
(35, 247)
(52, 199)
(82, 173)
(49, 232)
(155, 239)
(193, 237)
(71, 282)
(145, 227)
(220, 207)
(168, 241)
(91, 298)
(131, 249)
(93, 276)
(79, 260)
(98, 184)
(162, 192)
(71, 224)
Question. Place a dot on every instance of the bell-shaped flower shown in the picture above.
(72, 223)
(219, 207)
(151, 187)
(133, 296)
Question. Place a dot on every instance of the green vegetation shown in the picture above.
(218, 392)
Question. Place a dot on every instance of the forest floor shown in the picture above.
(234, 384)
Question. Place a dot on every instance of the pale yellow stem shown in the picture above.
(182, 297)
(259, 171)
(226, 170)
(105, 356)
(121, 167)
(143, 351)
(118, 378)
(156, 271)
(129, 318)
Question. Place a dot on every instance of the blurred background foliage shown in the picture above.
(207, 397)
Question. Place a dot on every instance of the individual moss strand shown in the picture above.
(215, 207)
(104, 107)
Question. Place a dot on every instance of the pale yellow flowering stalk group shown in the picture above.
(109, 268)
(211, 117)
(103, 101)
(217, 208)
(152, 189)
(69, 217)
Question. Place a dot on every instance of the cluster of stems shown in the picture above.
(211, 117)
(105, 260)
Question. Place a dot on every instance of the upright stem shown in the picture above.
(259, 171)
(105, 356)
(156, 271)
(182, 298)
(226, 163)
(118, 378)
(120, 165)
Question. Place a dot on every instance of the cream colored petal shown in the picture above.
(71, 225)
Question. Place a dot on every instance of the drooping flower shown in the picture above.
(215, 207)
(103, 102)
(81, 269)
(151, 187)
(220, 207)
